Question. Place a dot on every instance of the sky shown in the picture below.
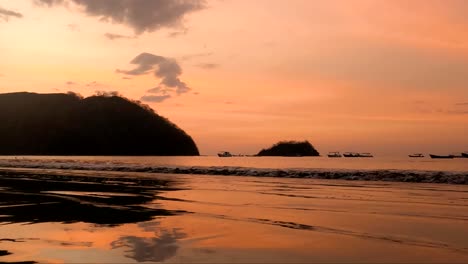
(388, 77)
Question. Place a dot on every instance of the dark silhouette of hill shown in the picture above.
(290, 149)
(66, 124)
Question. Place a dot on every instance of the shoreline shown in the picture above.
(386, 175)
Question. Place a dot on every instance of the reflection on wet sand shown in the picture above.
(33, 198)
(110, 217)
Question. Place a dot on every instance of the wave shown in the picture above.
(449, 177)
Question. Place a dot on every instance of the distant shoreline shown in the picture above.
(385, 175)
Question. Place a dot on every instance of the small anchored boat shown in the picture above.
(441, 156)
(224, 154)
(357, 155)
(335, 154)
(416, 155)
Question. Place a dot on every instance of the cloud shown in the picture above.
(196, 55)
(95, 84)
(48, 2)
(73, 27)
(126, 78)
(5, 14)
(141, 15)
(462, 104)
(112, 36)
(145, 61)
(154, 98)
(157, 90)
(178, 33)
(70, 83)
(207, 66)
(167, 69)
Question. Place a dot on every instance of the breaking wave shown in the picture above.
(450, 177)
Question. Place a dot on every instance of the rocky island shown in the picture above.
(68, 124)
(290, 149)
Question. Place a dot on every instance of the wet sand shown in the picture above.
(120, 217)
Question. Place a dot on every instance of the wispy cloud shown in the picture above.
(462, 104)
(6, 14)
(178, 33)
(207, 66)
(141, 15)
(112, 36)
(73, 27)
(70, 83)
(196, 55)
(94, 84)
(154, 98)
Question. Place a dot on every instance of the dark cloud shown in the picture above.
(154, 98)
(126, 78)
(167, 69)
(141, 15)
(5, 14)
(70, 83)
(112, 36)
(207, 66)
(146, 63)
(462, 104)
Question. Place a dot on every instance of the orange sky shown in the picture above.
(353, 75)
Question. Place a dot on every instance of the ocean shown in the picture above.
(233, 210)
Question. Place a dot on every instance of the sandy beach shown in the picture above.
(68, 216)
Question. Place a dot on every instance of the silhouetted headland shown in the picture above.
(67, 124)
(290, 149)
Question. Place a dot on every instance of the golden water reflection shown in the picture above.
(178, 218)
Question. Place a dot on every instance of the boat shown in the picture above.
(351, 154)
(441, 156)
(416, 155)
(357, 155)
(335, 154)
(224, 154)
(461, 155)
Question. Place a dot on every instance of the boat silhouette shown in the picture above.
(224, 154)
(357, 155)
(335, 154)
(441, 156)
